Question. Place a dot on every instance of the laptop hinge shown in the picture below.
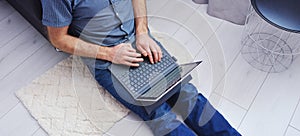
(174, 58)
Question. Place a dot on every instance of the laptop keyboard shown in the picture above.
(168, 81)
(140, 79)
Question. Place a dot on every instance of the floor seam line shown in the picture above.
(267, 75)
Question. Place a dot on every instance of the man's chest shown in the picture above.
(92, 8)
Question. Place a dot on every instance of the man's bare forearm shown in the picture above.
(140, 14)
(144, 43)
(73, 45)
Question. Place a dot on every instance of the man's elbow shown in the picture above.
(56, 43)
(58, 37)
(60, 45)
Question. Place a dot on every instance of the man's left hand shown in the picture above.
(148, 47)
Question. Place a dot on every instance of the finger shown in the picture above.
(133, 59)
(159, 52)
(155, 53)
(142, 50)
(134, 54)
(131, 64)
(149, 53)
(138, 60)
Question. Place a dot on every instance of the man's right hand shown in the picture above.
(124, 54)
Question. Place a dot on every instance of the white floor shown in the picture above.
(254, 102)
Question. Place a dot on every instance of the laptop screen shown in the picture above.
(186, 68)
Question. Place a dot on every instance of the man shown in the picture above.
(101, 29)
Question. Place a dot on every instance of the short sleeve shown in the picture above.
(57, 13)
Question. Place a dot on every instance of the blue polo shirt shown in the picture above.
(102, 22)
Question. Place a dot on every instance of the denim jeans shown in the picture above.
(198, 115)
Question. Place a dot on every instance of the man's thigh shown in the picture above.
(184, 100)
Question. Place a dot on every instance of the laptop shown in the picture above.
(150, 82)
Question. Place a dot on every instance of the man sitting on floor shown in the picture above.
(104, 27)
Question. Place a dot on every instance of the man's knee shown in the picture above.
(189, 90)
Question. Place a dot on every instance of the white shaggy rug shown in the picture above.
(67, 101)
